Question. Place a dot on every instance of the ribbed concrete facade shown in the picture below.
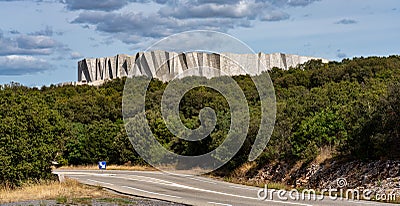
(167, 65)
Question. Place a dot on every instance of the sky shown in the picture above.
(41, 41)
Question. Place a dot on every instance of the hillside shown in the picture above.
(337, 111)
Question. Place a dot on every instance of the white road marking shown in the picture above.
(201, 180)
(162, 182)
(217, 203)
(167, 183)
(149, 181)
(104, 183)
(154, 193)
(148, 172)
(83, 173)
(239, 196)
(152, 178)
(244, 188)
(104, 175)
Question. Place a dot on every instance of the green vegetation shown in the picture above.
(351, 107)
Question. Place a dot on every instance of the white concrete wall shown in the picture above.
(166, 65)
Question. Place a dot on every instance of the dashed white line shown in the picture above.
(163, 182)
(201, 180)
(217, 203)
(147, 172)
(104, 183)
(149, 192)
(83, 173)
(104, 175)
(244, 188)
(151, 178)
(238, 196)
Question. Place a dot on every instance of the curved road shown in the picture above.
(192, 190)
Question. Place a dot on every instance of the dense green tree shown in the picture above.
(30, 133)
(352, 106)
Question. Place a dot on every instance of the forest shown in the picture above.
(351, 108)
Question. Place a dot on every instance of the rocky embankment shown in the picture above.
(380, 177)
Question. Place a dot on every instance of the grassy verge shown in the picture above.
(68, 192)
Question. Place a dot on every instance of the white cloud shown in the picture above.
(76, 55)
(175, 16)
(346, 21)
(100, 5)
(241, 9)
(22, 65)
(29, 45)
(130, 26)
(275, 16)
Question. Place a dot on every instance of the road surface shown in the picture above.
(193, 190)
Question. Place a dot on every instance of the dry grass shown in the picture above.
(109, 167)
(244, 169)
(324, 154)
(70, 189)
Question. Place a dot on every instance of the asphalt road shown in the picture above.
(194, 190)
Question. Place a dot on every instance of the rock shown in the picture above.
(165, 65)
(373, 176)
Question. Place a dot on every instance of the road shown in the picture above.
(192, 190)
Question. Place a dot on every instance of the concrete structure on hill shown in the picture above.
(165, 65)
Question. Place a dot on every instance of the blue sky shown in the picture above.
(41, 41)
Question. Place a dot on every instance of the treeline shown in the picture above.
(350, 107)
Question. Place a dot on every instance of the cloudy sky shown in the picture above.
(41, 41)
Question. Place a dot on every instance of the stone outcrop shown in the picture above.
(380, 177)
(166, 65)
